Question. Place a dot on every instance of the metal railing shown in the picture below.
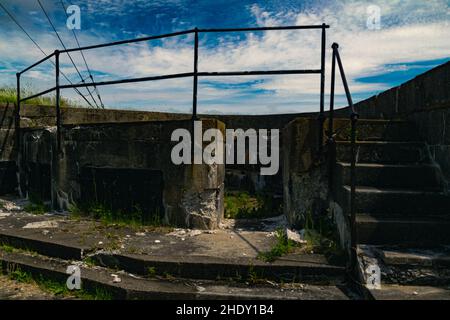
(331, 142)
(195, 74)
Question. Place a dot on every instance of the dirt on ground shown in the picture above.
(14, 290)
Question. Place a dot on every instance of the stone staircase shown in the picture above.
(403, 211)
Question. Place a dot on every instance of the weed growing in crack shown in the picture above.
(135, 219)
(282, 247)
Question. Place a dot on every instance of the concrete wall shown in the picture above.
(38, 116)
(7, 150)
(192, 195)
(305, 178)
(238, 177)
(424, 100)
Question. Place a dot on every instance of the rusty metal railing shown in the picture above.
(195, 74)
(331, 142)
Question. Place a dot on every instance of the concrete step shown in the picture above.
(308, 269)
(415, 266)
(417, 232)
(55, 248)
(400, 292)
(376, 130)
(407, 266)
(312, 268)
(400, 202)
(410, 176)
(133, 287)
(383, 152)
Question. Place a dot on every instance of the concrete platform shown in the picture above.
(222, 253)
(134, 287)
(166, 263)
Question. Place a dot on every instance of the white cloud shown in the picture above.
(410, 31)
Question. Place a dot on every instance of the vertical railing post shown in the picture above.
(19, 155)
(322, 87)
(330, 141)
(194, 94)
(58, 102)
(353, 257)
(335, 47)
(17, 115)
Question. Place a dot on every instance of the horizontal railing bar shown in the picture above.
(104, 83)
(167, 35)
(264, 28)
(38, 94)
(37, 63)
(257, 73)
(190, 74)
(109, 44)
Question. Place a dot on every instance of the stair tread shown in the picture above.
(417, 256)
(375, 190)
(388, 165)
(133, 287)
(409, 292)
(367, 218)
(381, 142)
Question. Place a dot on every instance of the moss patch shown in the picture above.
(242, 205)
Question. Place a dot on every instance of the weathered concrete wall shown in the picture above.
(243, 177)
(192, 195)
(7, 150)
(305, 178)
(425, 100)
(36, 162)
(7, 133)
(38, 115)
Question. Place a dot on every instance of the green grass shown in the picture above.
(133, 218)
(242, 205)
(282, 247)
(151, 272)
(320, 235)
(56, 288)
(36, 205)
(9, 95)
(7, 248)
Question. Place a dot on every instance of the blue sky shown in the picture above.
(414, 37)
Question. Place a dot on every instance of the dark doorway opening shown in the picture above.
(8, 179)
(39, 181)
(126, 191)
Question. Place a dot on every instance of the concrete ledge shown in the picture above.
(138, 288)
(305, 268)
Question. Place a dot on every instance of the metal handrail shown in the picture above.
(353, 120)
(195, 74)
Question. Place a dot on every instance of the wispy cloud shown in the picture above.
(411, 32)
